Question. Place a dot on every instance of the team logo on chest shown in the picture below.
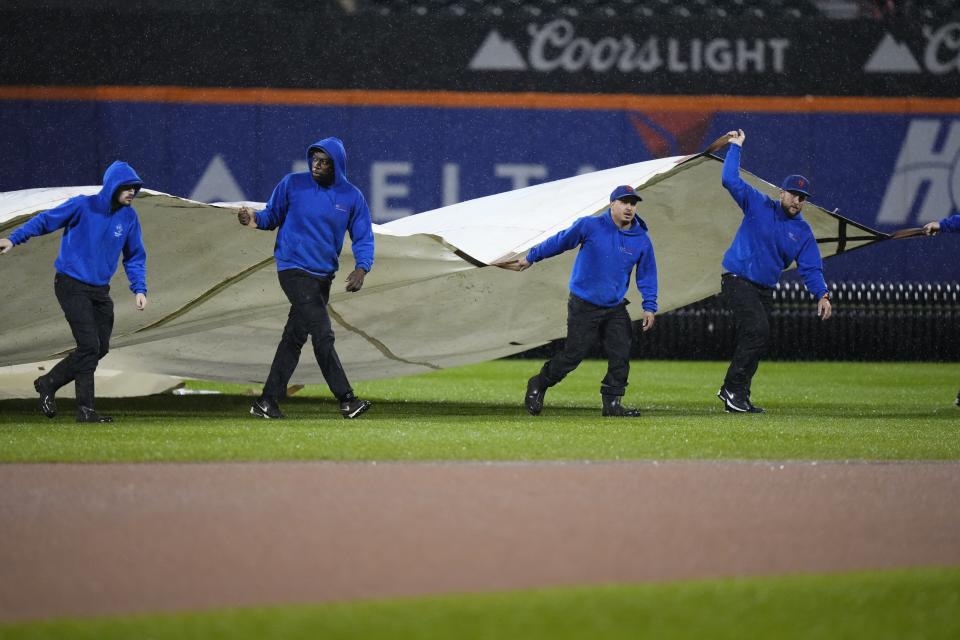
(118, 231)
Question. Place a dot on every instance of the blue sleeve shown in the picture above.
(135, 259)
(810, 267)
(950, 224)
(46, 222)
(361, 234)
(557, 244)
(647, 278)
(275, 212)
(742, 192)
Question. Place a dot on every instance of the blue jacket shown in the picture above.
(950, 224)
(94, 235)
(607, 257)
(313, 219)
(768, 239)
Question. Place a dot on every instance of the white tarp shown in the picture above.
(216, 309)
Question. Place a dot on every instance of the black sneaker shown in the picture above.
(536, 390)
(86, 414)
(353, 407)
(734, 402)
(266, 408)
(48, 404)
(752, 408)
(613, 409)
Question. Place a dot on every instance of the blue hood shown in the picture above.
(117, 174)
(334, 147)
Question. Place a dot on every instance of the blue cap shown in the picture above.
(797, 184)
(624, 191)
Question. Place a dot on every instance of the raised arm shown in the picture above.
(730, 177)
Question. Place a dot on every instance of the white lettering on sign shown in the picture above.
(520, 174)
(943, 49)
(555, 45)
(940, 56)
(383, 190)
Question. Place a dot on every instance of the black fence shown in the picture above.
(871, 321)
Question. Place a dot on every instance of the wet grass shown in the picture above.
(815, 411)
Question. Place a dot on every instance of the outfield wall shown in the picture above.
(886, 163)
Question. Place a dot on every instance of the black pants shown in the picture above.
(89, 311)
(586, 322)
(308, 295)
(751, 305)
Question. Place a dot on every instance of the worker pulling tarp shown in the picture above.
(430, 302)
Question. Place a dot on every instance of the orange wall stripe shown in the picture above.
(483, 100)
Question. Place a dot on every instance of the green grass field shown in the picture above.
(914, 604)
(817, 411)
(835, 411)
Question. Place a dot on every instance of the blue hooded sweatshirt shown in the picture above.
(313, 219)
(768, 239)
(607, 257)
(950, 224)
(95, 234)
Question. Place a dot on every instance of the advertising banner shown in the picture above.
(309, 50)
(880, 166)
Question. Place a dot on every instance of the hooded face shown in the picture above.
(321, 167)
(125, 194)
(118, 177)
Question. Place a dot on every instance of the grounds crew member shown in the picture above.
(313, 210)
(96, 230)
(612, 245)
(773, 235)
(950, 224)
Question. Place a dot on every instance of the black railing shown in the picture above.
(871, 321)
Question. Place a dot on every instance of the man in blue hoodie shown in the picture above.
(314, 210)
(773, 234)
(96, 230)
(612, 245)
(950, 224)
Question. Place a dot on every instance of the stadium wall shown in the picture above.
(884, 162)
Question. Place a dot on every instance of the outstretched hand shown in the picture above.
(355, 280)
(246, 217)
(5, 245)
(736, 137)
(520, 264)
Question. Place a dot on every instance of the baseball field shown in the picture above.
(447, 511)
